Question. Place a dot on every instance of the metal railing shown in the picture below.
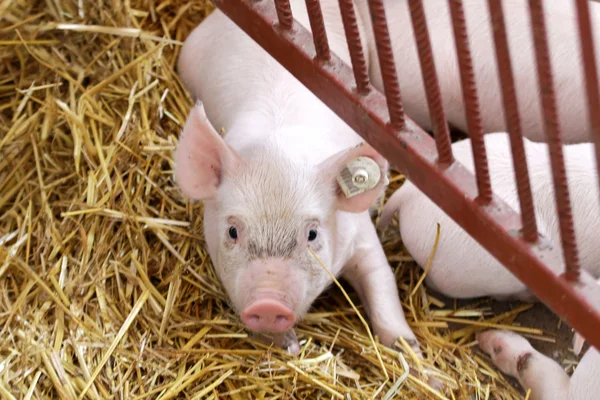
(512, 238)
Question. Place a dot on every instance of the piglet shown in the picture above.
(565, 56)
(515, 356)
(270, 185)
(462, 268)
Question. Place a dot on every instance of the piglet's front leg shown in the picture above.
(371, 276)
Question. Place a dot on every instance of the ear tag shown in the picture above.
(360, 175)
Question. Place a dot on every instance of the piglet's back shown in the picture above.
(253, 98)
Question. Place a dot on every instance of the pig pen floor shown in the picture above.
(106, 290)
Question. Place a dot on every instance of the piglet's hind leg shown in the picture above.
(515, 356)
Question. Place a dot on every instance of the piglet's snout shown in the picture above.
(270, 298)
(268, 315)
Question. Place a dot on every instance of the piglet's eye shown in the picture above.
(312, 235)
(233, 233)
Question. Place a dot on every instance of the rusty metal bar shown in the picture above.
(431, 83)
(413, 152)
(469, 89)
(317, 26)
(586, 40)
(386, 62)
(357, 56)
(513, 121)
(552, 128)
(284, 13)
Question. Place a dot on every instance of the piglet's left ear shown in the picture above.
(333, 166)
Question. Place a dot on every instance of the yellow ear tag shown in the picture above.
(360, 175)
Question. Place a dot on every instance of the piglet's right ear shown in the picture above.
(202, 157)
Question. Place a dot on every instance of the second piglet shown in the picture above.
(560, 17)
(461, 267)
(270, 186)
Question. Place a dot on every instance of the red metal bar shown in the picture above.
(469, 89)
(317, 26)
(513, 121)
(552, 128)
(284, 13)
(357, 56)
(412, 151)
(431, 83)
(586, 40)
(386, 62)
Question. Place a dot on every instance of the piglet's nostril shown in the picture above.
(268, 315)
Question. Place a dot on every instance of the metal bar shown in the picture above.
(586, 40)
(386, 62)
(357, 56)
(413, 152)
(513, 121)
(552, 128)
(284, 13)
(317, 26)
(469, 89)
(431, 83)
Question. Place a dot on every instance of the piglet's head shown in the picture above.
(263, 211)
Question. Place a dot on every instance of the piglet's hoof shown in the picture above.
(286, 340)
(431, 381)
(414, 345)
(510, 352)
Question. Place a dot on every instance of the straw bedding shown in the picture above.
(106, 290)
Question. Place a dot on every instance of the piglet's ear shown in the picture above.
(332, 167)
(202, 157)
